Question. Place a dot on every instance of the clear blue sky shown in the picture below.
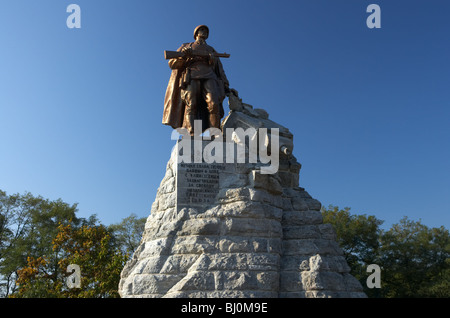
(369, 109)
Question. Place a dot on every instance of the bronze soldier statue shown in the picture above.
(197, 85)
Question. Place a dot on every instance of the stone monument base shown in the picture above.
(226, 230)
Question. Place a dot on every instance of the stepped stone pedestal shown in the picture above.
(226, 230)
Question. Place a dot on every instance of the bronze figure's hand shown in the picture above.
(212, 59)
(187, 51)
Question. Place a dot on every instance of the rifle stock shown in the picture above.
(175, 54)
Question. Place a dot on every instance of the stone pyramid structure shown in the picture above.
(226, 230)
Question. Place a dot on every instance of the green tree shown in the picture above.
(89, 247)
(128, 233)
(415, 260)
(358, 236)
(39, 238)
(28, 226)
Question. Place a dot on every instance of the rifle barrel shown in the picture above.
(175, 54)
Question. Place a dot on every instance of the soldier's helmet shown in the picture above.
(197, 28)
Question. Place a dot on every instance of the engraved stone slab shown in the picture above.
(198, 184)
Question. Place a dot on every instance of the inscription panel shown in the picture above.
(199, 183)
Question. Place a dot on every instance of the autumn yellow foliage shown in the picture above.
(91, 248)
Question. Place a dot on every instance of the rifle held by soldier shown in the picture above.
(175, 54)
